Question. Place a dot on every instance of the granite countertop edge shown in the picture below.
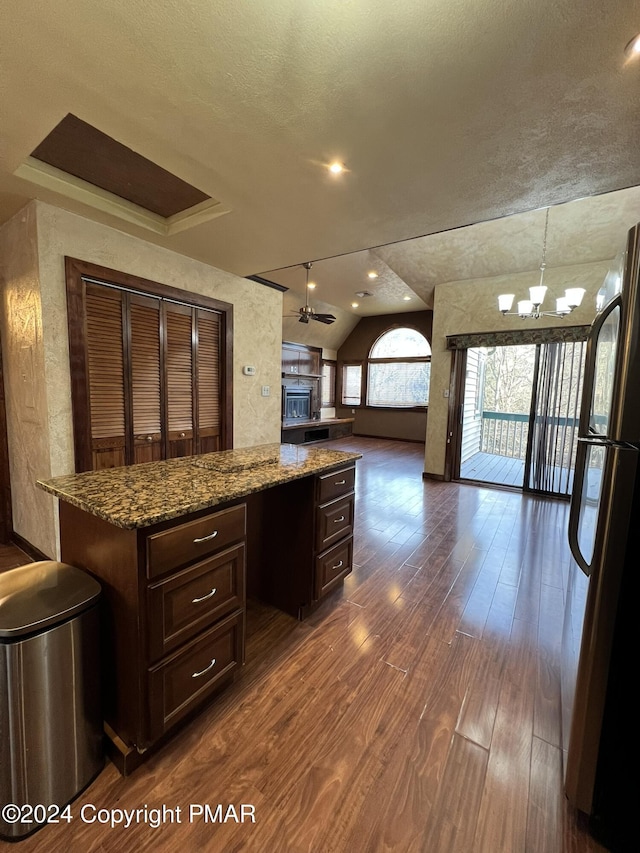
(141, 495)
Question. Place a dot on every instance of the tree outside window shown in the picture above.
(399, 369)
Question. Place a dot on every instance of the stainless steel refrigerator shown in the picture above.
(602, 614)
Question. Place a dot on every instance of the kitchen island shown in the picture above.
(177, 546)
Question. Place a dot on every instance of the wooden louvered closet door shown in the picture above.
(208, 384)
(105, 368)
(150, 373)
(180, 380)
(146, 392)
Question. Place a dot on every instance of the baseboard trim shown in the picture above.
(427, 475)
(388, 437)
(28, 548)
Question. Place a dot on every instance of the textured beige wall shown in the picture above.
(472, 306)
(36, 259)
(34, 512)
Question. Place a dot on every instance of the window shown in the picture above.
(328, 384)
(399, 369)
(351, 384)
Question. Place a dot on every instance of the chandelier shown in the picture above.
(531, 308)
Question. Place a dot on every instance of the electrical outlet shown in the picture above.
(249, 370)
(266, 390)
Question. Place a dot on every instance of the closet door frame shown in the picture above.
(77, 272)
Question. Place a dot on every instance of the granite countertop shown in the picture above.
(144, 494)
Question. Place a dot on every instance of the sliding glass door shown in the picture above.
(519, 409)
(495, 414)
(555, 408)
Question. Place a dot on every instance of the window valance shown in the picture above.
(514, 337)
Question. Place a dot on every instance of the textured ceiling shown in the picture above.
(446, 113)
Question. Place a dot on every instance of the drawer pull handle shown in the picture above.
(205, 538)
(339, 482)
(339, 566)
(204, 597)
(206, 669)
(338, 520)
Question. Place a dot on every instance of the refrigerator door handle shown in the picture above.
(584, 425)
(576, 503)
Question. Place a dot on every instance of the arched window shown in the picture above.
(398, 369)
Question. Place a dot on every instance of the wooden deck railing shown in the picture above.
(506, 433)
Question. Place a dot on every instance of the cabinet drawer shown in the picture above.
(333, 566)
(194, 540)
(334, 521)
(181, 683)
(187, 602)
(335, 483)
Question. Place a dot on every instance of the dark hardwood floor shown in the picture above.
(11, 557)
(417, 710)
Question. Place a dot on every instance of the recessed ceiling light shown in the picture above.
(336, 168)
(311, 285)
(632, 50)
(354, 304)
(372, 274)
(406, 298)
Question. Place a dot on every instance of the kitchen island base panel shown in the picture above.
(135, 680)
(289, 545)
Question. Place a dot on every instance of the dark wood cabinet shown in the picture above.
(298, 526)
(151, 372)
(306, 433)
(174, 592)
(333, 566)
(174, 601)
(183, 603)
(146, 378)
(181, 682)
(335, 510)
(301, 360)
(183, 543)
(302, 368)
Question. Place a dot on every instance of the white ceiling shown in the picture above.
(446, 113)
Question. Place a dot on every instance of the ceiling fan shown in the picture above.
(307, 313)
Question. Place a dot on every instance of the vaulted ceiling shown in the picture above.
(445, 113)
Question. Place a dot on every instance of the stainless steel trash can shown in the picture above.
(51, 740)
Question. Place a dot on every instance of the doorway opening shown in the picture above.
(496, 410)
(519, 415)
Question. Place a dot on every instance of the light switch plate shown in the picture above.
(249, 370)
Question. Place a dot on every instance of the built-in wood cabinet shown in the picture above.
(174, 591)
(173, 633)
(301, 360)
(151, 372)
(301, 368)
(302, 540)
(334, 520)
(177, 685)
